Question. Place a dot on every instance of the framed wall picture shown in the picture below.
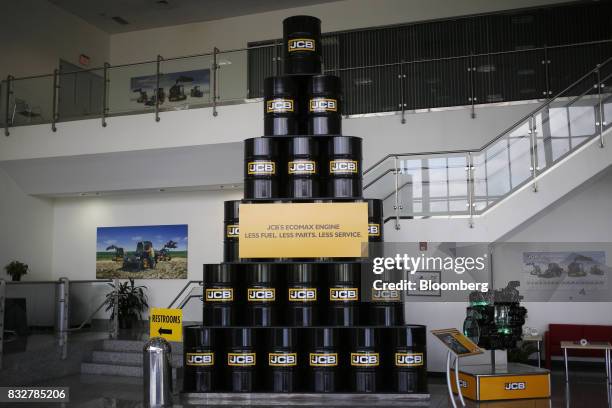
(432, 276)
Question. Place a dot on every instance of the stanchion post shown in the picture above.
(63, 300)
(215, 67)
(105, 83)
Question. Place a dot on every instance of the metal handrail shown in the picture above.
(500, 135)
(187, 285)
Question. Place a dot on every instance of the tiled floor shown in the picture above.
(587, 390)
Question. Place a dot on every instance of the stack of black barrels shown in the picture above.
(289, 326)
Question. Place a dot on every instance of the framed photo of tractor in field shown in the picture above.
(142, 252)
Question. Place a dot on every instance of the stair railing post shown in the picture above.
(63, 300)
(469, 169)
(157, 75)
(215, 68)
(600, 124)
(115, 323)
(397, 207)
(105, 83)
(402, 79)
(472, 98)
(54, 107)
(534, 152)
(7, 122)
(2, 297)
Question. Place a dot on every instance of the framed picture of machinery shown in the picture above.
(142, 252)
(175, 88)
(434, 277)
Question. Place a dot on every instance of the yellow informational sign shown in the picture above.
(303, 230)
(166, 323)
(456, 342)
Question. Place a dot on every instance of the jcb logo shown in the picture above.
(342, 166)
(323, 359)
(463, 383)
(200, 359)
(515, 386)
(261, 168)
(282, 359)
(220, 295)
(364, 359)
(261, 294)
(385, 295)
(408, 359)
(343, 294)
(232, 231)
(323, 105)
(302, 294)
(374, 230)
(240, 359)
(301, 44)
(279, 105)
(302, 167)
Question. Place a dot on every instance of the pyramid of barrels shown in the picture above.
(291, 325)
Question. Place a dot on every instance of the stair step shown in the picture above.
(111, 369)
(131, 358)
(115, 370)
(135, 346)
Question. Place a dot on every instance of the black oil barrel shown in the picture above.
(302, 295)
(231, 222)
(324, 109)
(344, 285)
(242, 360)
(375, 220)
(261, 304)
(343, 167)
(220, 294)
(385, 308)
(409, 359)
(199, 359)
(323, 360)
(303, 168)
(365, 360)
(282, 372)
(261, 168)
(281, 106)
(302, 45)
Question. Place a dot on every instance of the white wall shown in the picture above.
(36, 34)
(26, 230)
(74, 237)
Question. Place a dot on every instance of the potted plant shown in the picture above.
(16, 270)
(132, 303)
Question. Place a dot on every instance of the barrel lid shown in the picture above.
(364, 337)
(344, 145)
(260, 146)
(325, 85)
(198, 336)
(283, 337)
(410, 336)
(303, 146)
(231, 209)
(242, 337)
(301, 273)
(260, 273)
(218, 273)
(323, 337)
(279, 86)
(302, 24)
(375, 208)
(345, 272)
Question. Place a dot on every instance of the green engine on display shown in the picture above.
(495, 319)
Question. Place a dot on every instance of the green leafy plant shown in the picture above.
(16, 270)
(132, 302)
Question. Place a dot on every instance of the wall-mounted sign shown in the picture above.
(303, 230)
(142, 252)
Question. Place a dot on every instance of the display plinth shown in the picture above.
(289, 399)
(513, 381)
